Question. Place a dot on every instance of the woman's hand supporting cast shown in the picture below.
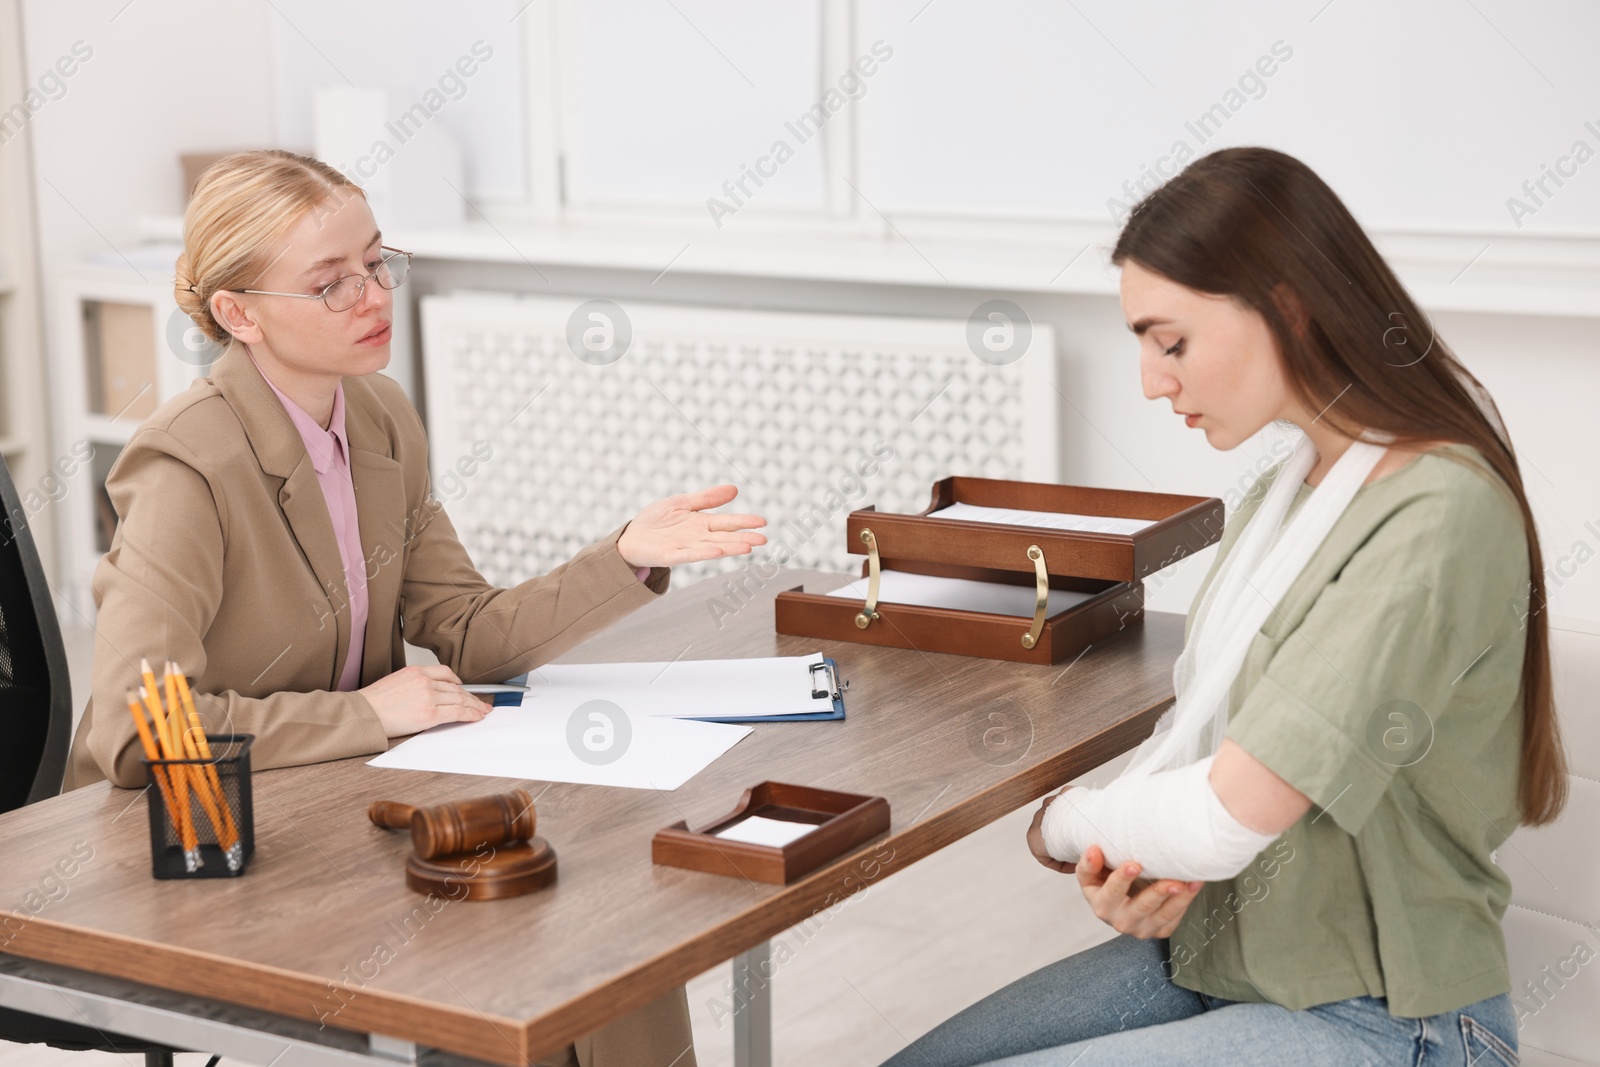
(1154, 909)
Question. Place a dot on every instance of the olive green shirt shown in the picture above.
(1385, 687)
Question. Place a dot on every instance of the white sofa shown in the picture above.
(1552, 927)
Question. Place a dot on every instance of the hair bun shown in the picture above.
(193, 303)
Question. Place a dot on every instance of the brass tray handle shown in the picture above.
(869, 611)
(1041, 579)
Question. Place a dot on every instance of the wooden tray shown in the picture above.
(1119, 606)
(843, 821)
(1109, 566)
(1183, 526)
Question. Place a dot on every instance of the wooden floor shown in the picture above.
(860, 980)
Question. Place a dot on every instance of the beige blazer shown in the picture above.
(225, 560)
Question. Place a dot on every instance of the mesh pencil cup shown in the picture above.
(202, 824)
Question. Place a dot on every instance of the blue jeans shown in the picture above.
(1113, 1004)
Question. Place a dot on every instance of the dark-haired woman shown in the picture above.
(1299, 859)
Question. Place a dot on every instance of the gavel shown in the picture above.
(447, 843)
(459, 825)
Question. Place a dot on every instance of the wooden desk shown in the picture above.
(323, 929)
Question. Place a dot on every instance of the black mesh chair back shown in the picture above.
(35, 690)
(36, 719)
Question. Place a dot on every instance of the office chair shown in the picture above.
(36, 717)
(34, 687)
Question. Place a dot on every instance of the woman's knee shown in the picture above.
(1121, 984)
(1130, 980)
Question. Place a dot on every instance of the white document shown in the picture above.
(689, 688)
(760, 830)
(1053, 520)
(543, 744)
(965, 594)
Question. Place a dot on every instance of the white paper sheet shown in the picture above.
(726, 688)
(1053, 520)
(523, 742)
(928, 591)
(760, 830)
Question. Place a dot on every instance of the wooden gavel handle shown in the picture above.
(462, 825)
(391, 814)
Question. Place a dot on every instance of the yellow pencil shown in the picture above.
(230, 838)
(152, 753)
(172, 749)
(184, 821)
(206, 785)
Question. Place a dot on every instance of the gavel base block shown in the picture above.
(489, 873)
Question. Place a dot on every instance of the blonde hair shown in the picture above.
(240, 209)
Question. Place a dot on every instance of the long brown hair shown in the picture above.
(1260, 226)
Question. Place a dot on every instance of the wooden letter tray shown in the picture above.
(1109, 566)
(842, 821)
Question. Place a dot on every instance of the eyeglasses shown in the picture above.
(344, 293)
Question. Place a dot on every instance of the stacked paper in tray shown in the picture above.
(1051, 520)
(964, 594)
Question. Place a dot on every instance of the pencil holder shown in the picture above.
(202, 824)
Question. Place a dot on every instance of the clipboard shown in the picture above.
(825, 685)
(826, 689)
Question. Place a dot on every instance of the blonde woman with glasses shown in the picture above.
(276, 535)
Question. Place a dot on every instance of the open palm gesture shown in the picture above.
(677, 529)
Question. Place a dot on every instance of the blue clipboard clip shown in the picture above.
(829, 671)
(825, 685)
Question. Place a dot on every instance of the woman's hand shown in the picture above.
(1154, 910)
(675, 530)
(414, 698)
(1036, 838)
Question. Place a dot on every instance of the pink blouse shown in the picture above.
(330, 456)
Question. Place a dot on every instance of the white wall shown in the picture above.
(1420, 115)
(410, 47)
(163, 79)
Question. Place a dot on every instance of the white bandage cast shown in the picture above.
(1172, 822)
(1161, 811)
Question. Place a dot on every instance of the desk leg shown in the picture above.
(392, 1048)
(752, 1020)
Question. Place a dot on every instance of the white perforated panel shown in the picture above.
(811, 416)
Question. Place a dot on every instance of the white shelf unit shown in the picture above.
(100, 398)
(23, 430)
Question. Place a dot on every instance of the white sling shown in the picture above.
(1258, 571)
(1162, 810)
